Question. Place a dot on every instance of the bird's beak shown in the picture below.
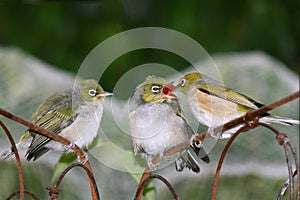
(168, 89)
(104, 94)
(177, 87)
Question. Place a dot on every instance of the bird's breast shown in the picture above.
(85, 128)
(212, 110)
(155, 128)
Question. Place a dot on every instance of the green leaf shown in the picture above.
(64, 161)
(149, 192)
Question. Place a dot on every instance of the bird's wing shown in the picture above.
(217, 89)
(200, 152)
(52, 103)
(55, 121)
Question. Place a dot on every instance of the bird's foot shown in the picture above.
(195, 144)
(162, 156)
(179, 164)
(152, 166)
(86, 158)
(212, 133)
(68, 147)
(6, 154)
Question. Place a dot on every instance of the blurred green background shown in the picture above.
(63, 34)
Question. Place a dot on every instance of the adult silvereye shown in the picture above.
(157, 124)
(214, 104)
(74, 114)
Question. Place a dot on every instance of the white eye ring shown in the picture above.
(92, 92)
(155, 89)
(183, 81)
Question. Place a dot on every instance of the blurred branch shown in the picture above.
(25, 192)
(57, 138)
(14, 149)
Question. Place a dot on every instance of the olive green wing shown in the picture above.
(55, 121)
(52, 103)
(217, 89)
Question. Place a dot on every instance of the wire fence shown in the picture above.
(249, 121)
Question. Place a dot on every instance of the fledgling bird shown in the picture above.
(214, 104)
(157, 124)
(74, 113)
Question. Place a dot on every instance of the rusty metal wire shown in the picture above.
(139, 192)
(54, 191)
(145, 176)
(25, 192)
(246, 120)
(58, 138)
(282, 140)
(222, 157)
(14, 148)
(287, 144)
(285, 186)
(249, 121)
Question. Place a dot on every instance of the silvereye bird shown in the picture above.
(157, 124)
(214, 104)
(74, 114)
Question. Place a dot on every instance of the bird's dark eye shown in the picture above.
(182, 83)
(92, 92)
(155, 89)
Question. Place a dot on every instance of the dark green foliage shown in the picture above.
(64, 33)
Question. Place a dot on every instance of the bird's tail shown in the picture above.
(279, 120)
(190, 159)
(6, 154)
